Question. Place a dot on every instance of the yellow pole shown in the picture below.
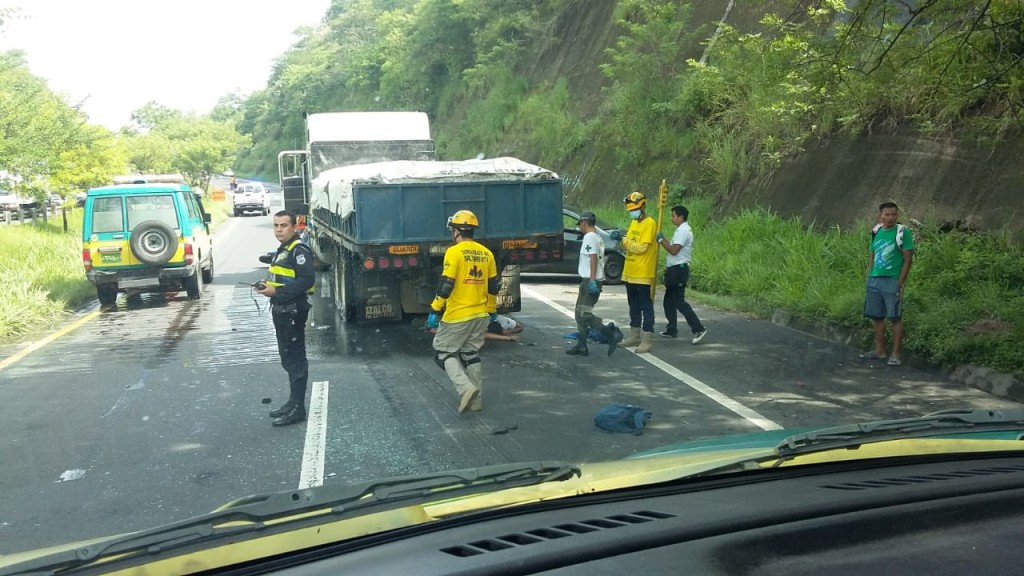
(662, 201)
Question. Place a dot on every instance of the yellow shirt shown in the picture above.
(641, 252)
(471, 265)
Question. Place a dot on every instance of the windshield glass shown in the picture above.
(159, 208)
(808, 218)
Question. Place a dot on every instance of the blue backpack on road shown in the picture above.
(622, 418)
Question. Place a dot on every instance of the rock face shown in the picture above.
(937, 182)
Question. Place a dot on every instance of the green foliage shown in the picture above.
(645, 66)
(812, 69)
(964, 298)
(46, 144)
(165, 140)
(45, 275)
(427, 55)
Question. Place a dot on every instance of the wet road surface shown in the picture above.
(157, 411)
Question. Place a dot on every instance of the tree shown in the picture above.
(37, 128)
(92, 162)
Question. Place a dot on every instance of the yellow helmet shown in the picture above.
(635, 201)
(463, 220)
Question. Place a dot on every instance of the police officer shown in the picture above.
(289, 280)
(467, 296)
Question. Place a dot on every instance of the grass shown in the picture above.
(46, 280)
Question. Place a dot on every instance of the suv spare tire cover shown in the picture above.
(153, 242)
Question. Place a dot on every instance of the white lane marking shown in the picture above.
(312, 472)
(747, 414)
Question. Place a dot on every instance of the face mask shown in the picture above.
(634, 214)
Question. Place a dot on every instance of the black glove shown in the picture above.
(267, 258)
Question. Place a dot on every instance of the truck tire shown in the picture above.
(344, 287)
(153, 242)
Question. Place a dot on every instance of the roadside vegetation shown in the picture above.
(760, 263)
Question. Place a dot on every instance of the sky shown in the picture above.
(114, 56)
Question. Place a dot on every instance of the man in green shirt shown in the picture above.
(892, 252)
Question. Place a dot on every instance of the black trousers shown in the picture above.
(676, 278)
(291, 345)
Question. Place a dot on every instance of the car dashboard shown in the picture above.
(929, 516)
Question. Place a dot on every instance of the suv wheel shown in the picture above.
(193, 287)
(153, 242)
(107, 293)
(208, 272)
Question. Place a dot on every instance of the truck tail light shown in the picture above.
(412, 261)
(383, 263)
(397, 263)
(86, 259)
(189, 256)
(368, 264)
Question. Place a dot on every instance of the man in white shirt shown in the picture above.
(591, 270)
(677, 274)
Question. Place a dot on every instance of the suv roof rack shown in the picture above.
(150, 179)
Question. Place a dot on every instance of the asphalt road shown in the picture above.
(156, 411)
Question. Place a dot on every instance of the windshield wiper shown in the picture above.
(339, 499)
(935, 424)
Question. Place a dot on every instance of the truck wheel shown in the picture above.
(107, 293)
(344, 291)
(193, 287)
(153, 242)
(613, 265)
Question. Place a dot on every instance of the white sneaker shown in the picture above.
(699, 336)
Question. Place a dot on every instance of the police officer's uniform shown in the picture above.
(291, 274)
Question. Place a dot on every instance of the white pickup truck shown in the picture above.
(250, 197)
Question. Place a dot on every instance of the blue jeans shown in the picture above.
(641, 307)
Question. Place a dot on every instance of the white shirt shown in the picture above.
(592, 244)
(683, 236)
(506, 323)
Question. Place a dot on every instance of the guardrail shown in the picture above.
(22, 214)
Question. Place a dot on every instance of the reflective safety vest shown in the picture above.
(281, 271)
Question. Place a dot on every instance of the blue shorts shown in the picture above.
(883, 298)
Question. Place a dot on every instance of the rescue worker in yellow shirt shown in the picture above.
(467, 297)
(639, 272)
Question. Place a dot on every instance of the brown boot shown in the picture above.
(646, 343)
(633, 339)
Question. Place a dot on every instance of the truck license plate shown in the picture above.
(110, 258)
(513, 244)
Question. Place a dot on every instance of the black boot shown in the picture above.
(612, 333)
(580, 349)
(295, 414)
(282, 410)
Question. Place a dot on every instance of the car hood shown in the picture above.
(690, 459)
